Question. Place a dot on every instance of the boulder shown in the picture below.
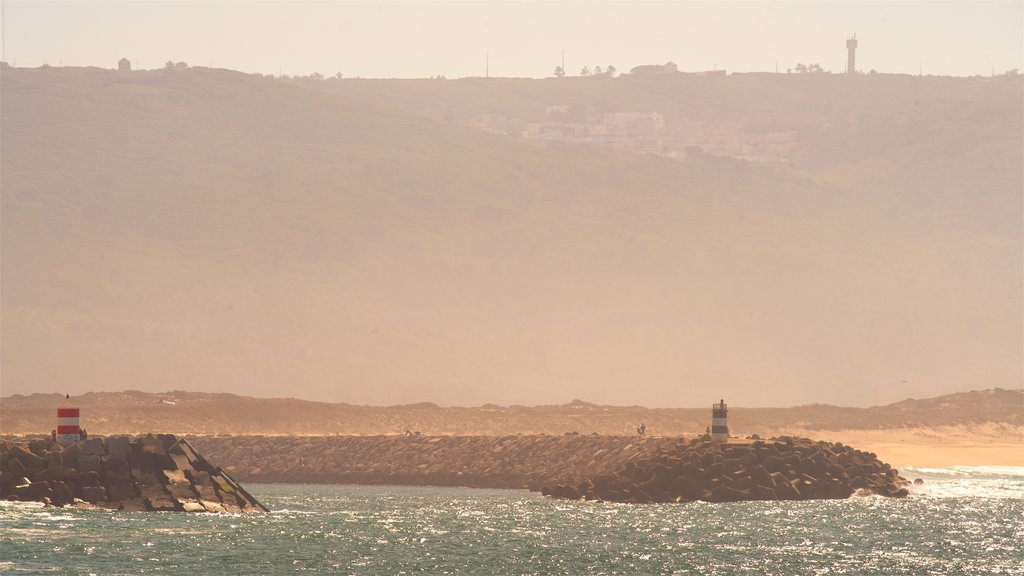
(134, 505)
(118, 445)
(58, 473)
(30, 460)
(93, 447)
(70, 455)
(144, 477)
(90, 463)
(140, 460)
(54, 458)
(61, 493)
(94, 494)
(156, 498)
(119, 491)
(212, 506)
(39, 447)
(729, 494)
(16, 468)
(172, 477)
(33, 491)
(181, 491)
(167, 440)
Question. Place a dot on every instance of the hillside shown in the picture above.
(910, 143)
(197, 413)
(870, 123)
(210, 230)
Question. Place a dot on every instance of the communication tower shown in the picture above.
(851, 55)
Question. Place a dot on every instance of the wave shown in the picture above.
(970, 471)
(968, 481)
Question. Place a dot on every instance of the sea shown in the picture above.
(962, 520)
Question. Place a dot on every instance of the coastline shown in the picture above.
(531, 461)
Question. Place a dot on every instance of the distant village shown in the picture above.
(635, 131)
(647, 133)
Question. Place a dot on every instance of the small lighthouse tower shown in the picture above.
(851, 55)
(68, 429)
(719, 427)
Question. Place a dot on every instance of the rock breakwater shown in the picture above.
(145, 473)
(613, 468)
(783, 468)
(473, 461)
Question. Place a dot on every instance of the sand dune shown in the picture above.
(984, 427)
(935, 446)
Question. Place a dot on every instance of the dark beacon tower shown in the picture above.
(719, 427)
(851, 55)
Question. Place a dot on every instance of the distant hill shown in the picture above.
(850, 129)
(203, 413)
(351, 241)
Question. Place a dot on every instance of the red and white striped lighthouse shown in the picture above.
(68, 425)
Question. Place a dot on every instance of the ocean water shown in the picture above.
(961, 521)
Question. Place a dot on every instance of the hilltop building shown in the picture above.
(124, 65)
(666, 68)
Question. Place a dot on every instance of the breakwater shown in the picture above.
(614, 468)
(161, 473)
(472, 461)
(783, 468)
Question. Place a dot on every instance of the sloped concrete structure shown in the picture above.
(153, 472)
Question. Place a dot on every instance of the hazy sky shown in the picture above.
(421, 39)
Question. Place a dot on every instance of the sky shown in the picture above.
(516, 39)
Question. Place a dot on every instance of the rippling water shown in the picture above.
(962, 521)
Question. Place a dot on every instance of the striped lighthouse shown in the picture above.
(719, 427)
(68, 425)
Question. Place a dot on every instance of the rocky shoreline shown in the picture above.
(156, 473)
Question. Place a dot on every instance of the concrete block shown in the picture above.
(93, 446)
(94, 494)
(89, 463)
(119, 445)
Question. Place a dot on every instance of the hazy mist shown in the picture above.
(661, 239)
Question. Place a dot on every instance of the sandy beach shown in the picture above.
(935, 447)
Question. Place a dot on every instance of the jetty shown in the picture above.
(153, 472)
(575, 466)
(783, 468)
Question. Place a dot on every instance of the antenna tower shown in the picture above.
(851, 55)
